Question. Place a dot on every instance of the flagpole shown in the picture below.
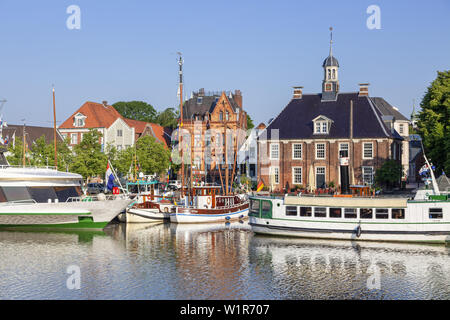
(116, 177)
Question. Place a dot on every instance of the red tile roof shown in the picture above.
(101, 116)
(98, 116)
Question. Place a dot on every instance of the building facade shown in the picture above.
(248, 154)
(214, 123)
(115, 130)
(329, 138)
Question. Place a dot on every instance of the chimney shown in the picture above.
(201, 92)
(363, 89)
(238, 98)
(298, 92)
(105, 103)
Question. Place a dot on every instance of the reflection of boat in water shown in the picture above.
(178, 228)
(206, 205)
(424, 219)
(42, 198)
(141, 235)
(54, 236)
(321, 269)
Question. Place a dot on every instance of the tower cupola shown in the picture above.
(330, 83)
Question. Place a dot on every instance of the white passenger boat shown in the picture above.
(49, 199)
(426, 218)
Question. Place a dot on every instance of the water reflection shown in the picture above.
(214, 261)
(318, 269)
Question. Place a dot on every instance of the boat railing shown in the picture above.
(27, 167)
(224, 207)
(107, 197)
(19, 202)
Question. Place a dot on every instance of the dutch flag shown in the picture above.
(109, 178)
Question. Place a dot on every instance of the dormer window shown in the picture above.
(79, 120)
(322, 125)
(199, 100)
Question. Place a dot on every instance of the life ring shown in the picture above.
(208, 200)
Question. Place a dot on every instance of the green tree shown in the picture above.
(15, 150)
(89, 160)
(121, 160)
(434, 122)
(168, 118)
(152, 156)
(389, 174)
(136, 110)
(250, 124)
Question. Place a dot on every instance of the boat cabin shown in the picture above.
(41, 185)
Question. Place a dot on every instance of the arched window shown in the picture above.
(329, 74)
(334, 73)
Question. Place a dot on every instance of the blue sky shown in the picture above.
(126, 50)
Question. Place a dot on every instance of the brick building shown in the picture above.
(209, 118)
(328, 137)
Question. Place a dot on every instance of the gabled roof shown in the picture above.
(295, 120)
(155, 130)
(101, 116)
(208, 103)
(97, 116)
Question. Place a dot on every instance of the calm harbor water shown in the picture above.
(169, 261)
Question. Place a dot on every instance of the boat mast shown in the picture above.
(54, 129)
(180, 142)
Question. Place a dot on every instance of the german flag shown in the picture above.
(260, 186)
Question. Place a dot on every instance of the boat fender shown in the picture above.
(241, 216)
(227, 218)
(358, 231)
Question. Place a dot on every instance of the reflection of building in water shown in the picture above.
(333, 269)
(138, 237)
(215, 253)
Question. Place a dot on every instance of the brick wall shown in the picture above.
(286, 163)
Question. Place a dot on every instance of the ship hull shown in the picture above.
(187, 215)
(93, 215)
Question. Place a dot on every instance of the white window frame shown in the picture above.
(317, 127)
(321, 127)
(324, 151)
(294, 175)
(342, 149)
(364, 150)
(293, 151)
(121, 132)
(271, 151)
(363, 175)
(74, 138)
(275, 171)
